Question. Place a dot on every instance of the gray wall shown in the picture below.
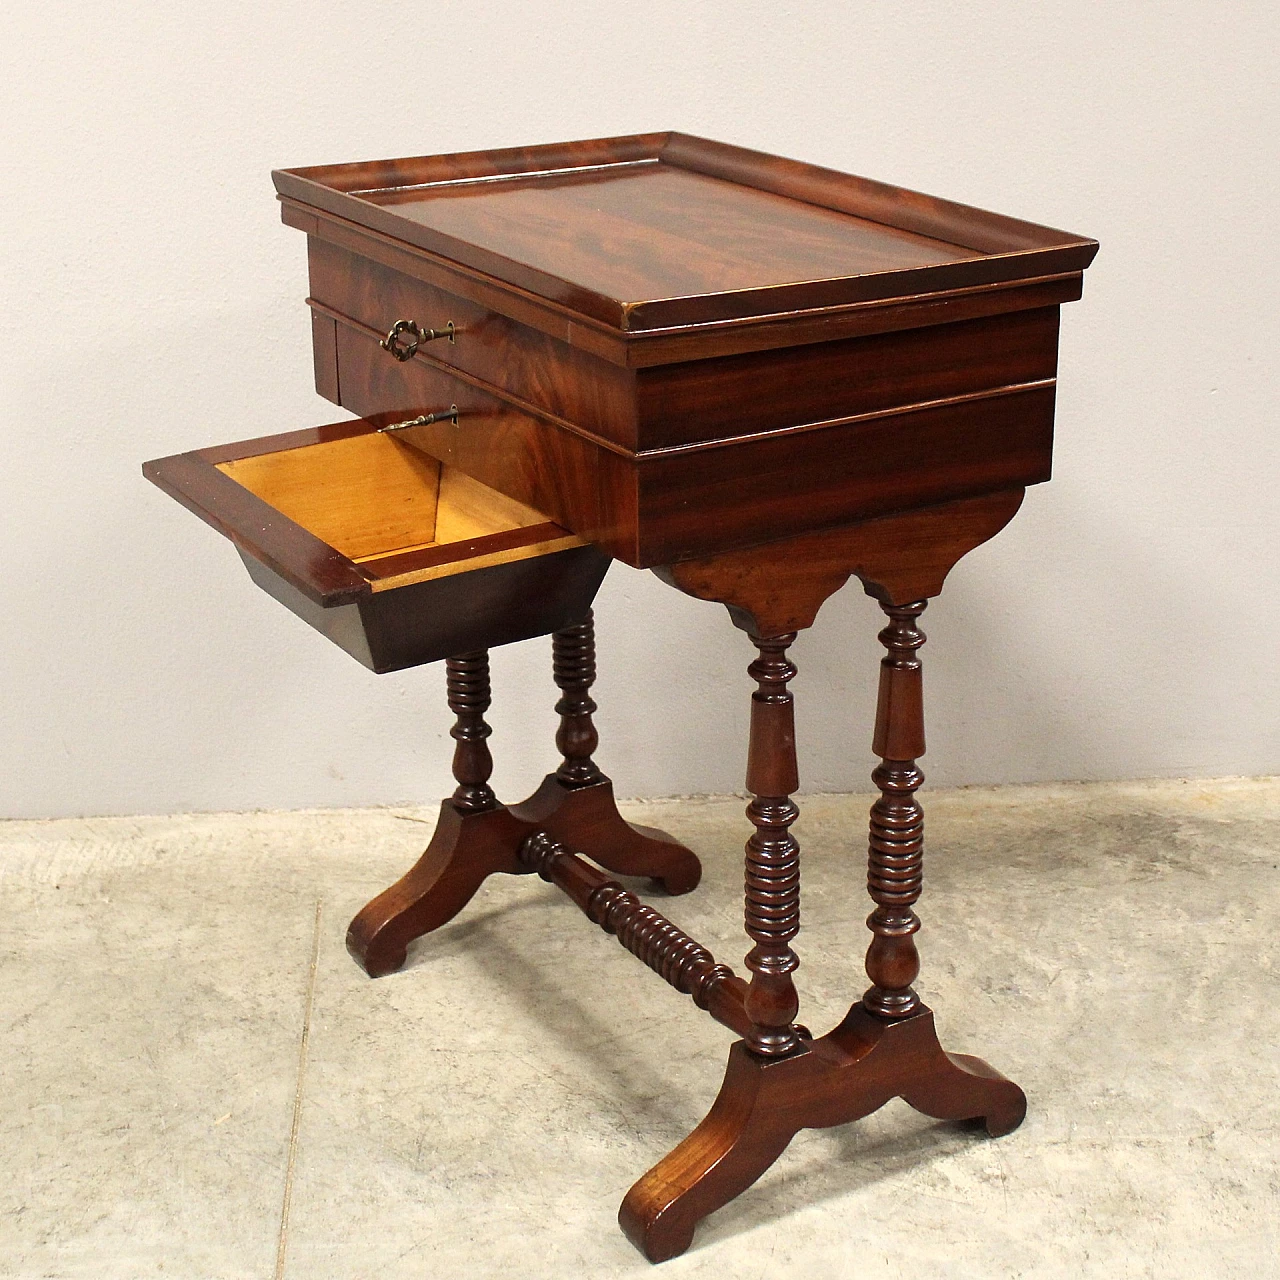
(1123, 625)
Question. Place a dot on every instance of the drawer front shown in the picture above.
(510, 357)
(673, 504)
(664, 406)
(576, 482)
(738, 395)
(693, 502)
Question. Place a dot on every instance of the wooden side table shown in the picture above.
(759, 379)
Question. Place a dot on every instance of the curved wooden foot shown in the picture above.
(464, 850)
(971, 1090)
(468, 847)
(742, 1135)
(765, 1102)
(587, 818)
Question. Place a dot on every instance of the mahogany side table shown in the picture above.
(756, 377)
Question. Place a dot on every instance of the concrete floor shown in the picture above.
(197, 1081)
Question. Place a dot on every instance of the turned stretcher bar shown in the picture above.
(670, 952)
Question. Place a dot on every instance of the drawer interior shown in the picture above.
(396, 513)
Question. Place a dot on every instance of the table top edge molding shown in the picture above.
(705, 339)
(998, 249)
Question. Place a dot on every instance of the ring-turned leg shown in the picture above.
(475, 836)
(772, 880)
(956, 1086)
(895, 861)
(576, 803)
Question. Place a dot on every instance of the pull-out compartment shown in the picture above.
(396, 557)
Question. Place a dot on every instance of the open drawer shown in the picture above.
(397, 558)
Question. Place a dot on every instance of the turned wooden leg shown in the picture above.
(753, 1119)
(474, 837)
(772, 881)
(896, 851)
(469, 693)
(573, 667)
(950, 1086)
(576, 803)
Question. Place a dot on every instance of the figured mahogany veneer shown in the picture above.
(663, 406)
(663, 230)
(650, 331)
(669, 505)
